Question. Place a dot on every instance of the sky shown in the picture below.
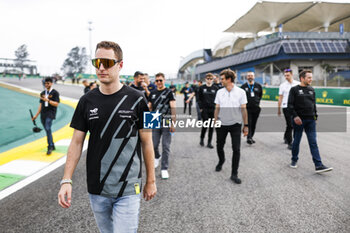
(153, 34)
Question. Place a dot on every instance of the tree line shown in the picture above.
(75, 62)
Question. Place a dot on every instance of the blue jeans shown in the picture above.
(163, 133)
(116, 215)
(47, 123)
(310, 129)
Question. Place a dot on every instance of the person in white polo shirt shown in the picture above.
(231, 110)
(283, 93)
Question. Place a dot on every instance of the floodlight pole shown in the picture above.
(90, 29)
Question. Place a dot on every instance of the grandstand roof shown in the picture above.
(292, 43)
(295, 16)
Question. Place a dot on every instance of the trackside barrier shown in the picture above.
(329, 96)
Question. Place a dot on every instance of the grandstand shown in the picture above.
(10, 66)
(274, 35)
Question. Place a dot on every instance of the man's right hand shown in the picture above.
(298, 121)
(65, 192)
(279, 112)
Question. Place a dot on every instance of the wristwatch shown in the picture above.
(66, 181)
(246, 125)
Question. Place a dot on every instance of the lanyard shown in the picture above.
(251, 87)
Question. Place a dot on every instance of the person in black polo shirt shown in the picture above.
(140, 84)
(113, 114)
(162, 100)
(187, 90)
(206, 98)
(195, 94)
(254, 95)
(302, 107)
(49, 100)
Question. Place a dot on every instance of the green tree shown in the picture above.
(21, 56)
(75, 62)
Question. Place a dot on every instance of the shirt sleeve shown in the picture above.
(200, 98)
(55, 96)
(243, 99)
(141, 108)
(217, 98)
(171, 95)
(40, 100)
(260, 91)
(291, 102)
(280, 90)
(315, 109)
(79, 120)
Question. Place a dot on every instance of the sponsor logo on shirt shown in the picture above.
(93, 111)
(93, 114)
(125, 113)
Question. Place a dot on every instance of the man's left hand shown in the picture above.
(149, 191)
(245, 131)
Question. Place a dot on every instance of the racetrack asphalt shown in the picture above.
(271, 198)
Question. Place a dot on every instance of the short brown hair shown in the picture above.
(303, 73)
(228, 73)
(111, 45)
(160, 74)
(210, 75)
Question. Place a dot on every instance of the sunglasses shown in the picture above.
(159, 80)
(287, 70)
(107, 63)
(209, 78)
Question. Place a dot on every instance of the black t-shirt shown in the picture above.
(86, 90)
(114, 151)
(218, 85)
(253, 99)
(140, 88)
(302, 102)
(206, 96)
(186, 91)
(173, 88)
(160, 100)
(49, 111)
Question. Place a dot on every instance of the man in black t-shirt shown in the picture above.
(162, 100)
(172, 87)
(140, 84)
(195, 94)
(86, 86)
(187, 90)
(206, 98)
(113, 114)
(302, 107)
(49, 100)
(254, 94)
(217, 81)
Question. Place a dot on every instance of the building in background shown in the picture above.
(273, 36)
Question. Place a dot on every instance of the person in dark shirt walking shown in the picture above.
(172, 87)
(195, 94)
(162, 100)
(254, 95)
(217, 81)
(206, 98)
(113, 115)
(86, 86)
(140, 84)
(49, 100)
(302, 107)
(187, 90)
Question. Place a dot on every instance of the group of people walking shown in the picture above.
(113, 114)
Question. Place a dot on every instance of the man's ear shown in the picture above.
(121, 64)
